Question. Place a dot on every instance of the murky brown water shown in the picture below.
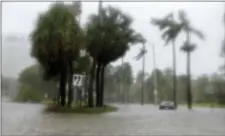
(28, 119)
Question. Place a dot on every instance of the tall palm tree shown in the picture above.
(188, 48)
(172, 29)
(140, 55)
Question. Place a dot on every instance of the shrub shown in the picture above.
(27, 93)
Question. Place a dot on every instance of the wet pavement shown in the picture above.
(29, 119)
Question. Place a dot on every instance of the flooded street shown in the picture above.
(29, 119)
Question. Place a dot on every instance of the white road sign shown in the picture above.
(78, 79)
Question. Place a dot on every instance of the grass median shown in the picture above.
(77, 108)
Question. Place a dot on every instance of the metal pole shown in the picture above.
(155, 76)
(122, 88)
(100, 8)
(143, 77)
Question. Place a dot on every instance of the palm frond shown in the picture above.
(183, 17)
(163, 22)
(187, 47)
(197, 32)
(171, 33)
(142, 52)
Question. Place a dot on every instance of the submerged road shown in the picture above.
(29, 119)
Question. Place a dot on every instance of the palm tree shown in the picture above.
(108, 40)
(172, 29)
(141, 54)
(54, 41)
(188, 48)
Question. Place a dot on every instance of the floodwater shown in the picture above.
(29, 119)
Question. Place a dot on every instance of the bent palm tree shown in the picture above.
(188, 48)
(172, 29)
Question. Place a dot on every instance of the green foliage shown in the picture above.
(123, 74)
(186, 25)
(28, 93)
(33, 84)
(75, 8)
(115, 76)
(80, 109)
(83, 64)
(110, 38)
(56, 34)
(188, 29)
(139, 77)
(142, 52)
(164, 88)
(32, 77)
(5, 83)
(170, 27)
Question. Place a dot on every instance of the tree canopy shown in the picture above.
(56, 33)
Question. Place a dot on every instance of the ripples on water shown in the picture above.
(27, 119)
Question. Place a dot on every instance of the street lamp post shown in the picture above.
(143, 77)
(155, 77)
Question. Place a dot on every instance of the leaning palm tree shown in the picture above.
(172, 29)
(188, 48)
(140, 55)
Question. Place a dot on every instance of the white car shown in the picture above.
(167, 105)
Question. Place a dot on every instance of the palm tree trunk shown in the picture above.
(174, 75)
(128, 94)
(102, 85)
(70, 83)
(122, 82)
(98, 85)
(90, 89)
(63, 75)
(189, 94)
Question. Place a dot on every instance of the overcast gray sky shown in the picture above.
(18, 18)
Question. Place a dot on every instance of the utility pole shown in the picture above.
(143, 77)
(155, 77)
(122, 82)
(100, 10)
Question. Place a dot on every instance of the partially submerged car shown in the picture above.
(167, 105)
